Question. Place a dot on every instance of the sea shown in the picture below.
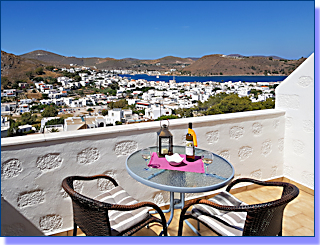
(180, 79)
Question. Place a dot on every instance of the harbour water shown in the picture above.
(206, 79)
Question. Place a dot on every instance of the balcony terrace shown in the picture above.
(275, 144)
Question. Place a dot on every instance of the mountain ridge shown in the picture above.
(15, 66)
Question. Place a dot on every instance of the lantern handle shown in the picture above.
(164, 120)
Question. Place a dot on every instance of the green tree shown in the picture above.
(163, 117)
(28, 118)
(14, 126)
(268, 103)
(77, 78)
(53, 130)
(50, 68)
(118, 123)
(231, 103)
(55, 121)
(104, 112)
(118, 104)
(49, 111)
(38, 79)
(255, 92)
(29, 74)
(5, 82)
(39, 71)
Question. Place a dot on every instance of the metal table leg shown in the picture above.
(175, 204)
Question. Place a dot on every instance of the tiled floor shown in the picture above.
(298, 215)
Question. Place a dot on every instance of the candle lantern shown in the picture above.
(165, 141)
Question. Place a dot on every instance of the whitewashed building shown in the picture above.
(155, 112)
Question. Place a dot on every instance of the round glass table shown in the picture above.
(220, 173)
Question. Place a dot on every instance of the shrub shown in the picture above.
(49, 111)
(55, 121)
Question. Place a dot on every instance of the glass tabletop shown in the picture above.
(220, 173)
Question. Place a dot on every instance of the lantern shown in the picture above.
(165, 141)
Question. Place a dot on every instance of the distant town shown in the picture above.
(85, 98)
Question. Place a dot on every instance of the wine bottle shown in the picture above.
(190, 155)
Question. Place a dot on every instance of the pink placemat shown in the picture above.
(162, 163)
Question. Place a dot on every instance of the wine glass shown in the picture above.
(146, 154)
(207, 158)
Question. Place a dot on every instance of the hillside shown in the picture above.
(15, 67)
(240, 65)
(108, 63)
(56, 59)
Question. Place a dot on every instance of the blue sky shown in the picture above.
(154, 29)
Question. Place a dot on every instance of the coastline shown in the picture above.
(239, 75)
(219, 78)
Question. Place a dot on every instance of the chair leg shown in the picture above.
(74, 229)
(198, 224)
(180, 226)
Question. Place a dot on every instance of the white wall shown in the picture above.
(34, 166)
(295, 95)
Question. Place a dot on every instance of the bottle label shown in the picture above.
(189, 148)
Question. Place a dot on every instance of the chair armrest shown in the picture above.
(243, 208)
(258, 182)
(140, 205)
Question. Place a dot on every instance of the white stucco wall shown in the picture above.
(295, 95)
(34, 166)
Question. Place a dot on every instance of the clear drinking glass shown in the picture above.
(207, 158)
(146, 155)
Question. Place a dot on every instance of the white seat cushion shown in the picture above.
(122, 220)
(224, 222)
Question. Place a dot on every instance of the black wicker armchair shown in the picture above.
(113, 213)
(228, 216)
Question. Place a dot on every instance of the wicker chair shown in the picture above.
(113, 213)
(228, 216)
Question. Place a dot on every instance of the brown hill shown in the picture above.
(15, 67)
(234, 65)
(56, 59)
(108, 63)
(162, 64)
